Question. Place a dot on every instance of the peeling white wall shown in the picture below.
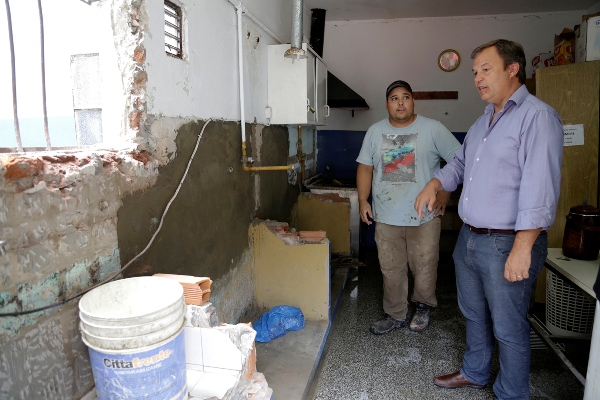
(205, 83)
(369, 55)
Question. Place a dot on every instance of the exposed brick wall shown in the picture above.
(58, 217)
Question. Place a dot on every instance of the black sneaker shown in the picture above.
(386, 325)
(420, 319)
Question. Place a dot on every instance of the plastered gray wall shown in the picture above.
(205, 231)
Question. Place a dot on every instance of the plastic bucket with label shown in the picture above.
(134, 332)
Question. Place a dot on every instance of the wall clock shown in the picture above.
(449, 60)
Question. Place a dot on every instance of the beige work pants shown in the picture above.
(400, 247)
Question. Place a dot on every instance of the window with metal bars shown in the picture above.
(173, 30)
(64, 111)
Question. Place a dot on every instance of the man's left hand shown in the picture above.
(518, 262)
(517, 265)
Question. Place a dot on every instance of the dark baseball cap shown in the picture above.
(397, 84)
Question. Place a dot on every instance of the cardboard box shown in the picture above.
(542, 60)
(588, 40)
(563, 47)
(587, 16)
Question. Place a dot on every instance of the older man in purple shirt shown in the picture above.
(509, 166)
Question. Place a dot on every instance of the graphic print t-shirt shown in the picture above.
(404, 160)
(398, 157)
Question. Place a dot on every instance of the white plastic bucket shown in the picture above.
(134, 332)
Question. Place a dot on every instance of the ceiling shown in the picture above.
(347, 10)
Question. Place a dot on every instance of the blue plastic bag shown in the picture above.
(277, 321)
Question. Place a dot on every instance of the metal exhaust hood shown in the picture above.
(339, 95)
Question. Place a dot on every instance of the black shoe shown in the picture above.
(420, 320)
(386, 325)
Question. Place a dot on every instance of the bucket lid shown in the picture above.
(585, 210)
(131, 297)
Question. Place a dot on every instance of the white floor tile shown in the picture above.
(193, 377)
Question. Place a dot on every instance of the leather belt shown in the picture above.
(486, 231)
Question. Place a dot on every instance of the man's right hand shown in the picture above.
(364, 178)
(365, 212)
(427, 196)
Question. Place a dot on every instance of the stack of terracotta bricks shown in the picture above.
(292, 237)
(283, 232)
(312, 236)
(196, 290)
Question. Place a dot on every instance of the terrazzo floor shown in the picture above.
(401, 365)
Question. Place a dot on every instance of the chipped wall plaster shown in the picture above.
(128, 20)
(206, 81)
(60, 238)
(70, 222)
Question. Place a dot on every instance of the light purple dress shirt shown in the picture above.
(510, 169)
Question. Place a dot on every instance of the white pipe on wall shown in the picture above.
(239, 11)
(256, 21)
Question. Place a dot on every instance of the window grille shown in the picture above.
(29, 132)
(173, 30)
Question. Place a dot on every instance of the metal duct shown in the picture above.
(317, 30)
(296, 50)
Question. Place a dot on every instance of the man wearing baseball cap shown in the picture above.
(399, 155)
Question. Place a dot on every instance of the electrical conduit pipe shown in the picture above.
(240, 9)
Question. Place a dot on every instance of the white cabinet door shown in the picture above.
(287, 87)
(311, 90)
(297, 88)
(321, 92)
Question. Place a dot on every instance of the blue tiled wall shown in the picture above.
(338, 150)
(336, 158)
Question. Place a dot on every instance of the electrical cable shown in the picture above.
(75, 296)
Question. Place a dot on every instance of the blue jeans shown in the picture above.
(495, 308)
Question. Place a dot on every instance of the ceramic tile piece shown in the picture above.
(213, 385)
(218, 351)
(193, 347)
